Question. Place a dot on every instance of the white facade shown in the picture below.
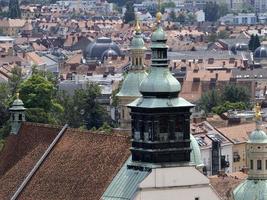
(185, 183)
(241, 18)
(200, 16)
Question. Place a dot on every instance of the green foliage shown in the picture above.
(209, 100)
(235, 93)
(165, 5)
(14, 9)
(254, 42)
(83, 108)
(213, 37)
(2, 143)
(214, 11)
(129, 15)
(247, 8)
(231, 96)
(4, 103)
(5, 130)
(105, 128)
(229, 106)
(15, 79)
(36, 92)
(181, 18)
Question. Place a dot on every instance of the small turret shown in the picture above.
(255, 186)
(17, 116)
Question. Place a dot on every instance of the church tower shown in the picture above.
(136, 74)
(160, 118)
(17, 116)
(255, 185)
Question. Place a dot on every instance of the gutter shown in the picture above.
(38, 164)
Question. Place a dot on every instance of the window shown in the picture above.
(258, 164)
(251, 164)
(196, 198)
(20, 117)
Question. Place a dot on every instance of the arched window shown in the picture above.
(136, 60)
(20, 117)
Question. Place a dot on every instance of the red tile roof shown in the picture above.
(81, 166)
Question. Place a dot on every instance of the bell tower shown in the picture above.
(17, 116)
(136, 74)
(160, 118)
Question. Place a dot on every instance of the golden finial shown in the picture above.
(159, 15)
(17, 95)
(258, 111)
(137, 24)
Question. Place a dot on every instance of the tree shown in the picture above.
(129, 15)
(165, 5)
(254, 42)
(234, 93)
(209, 100)
(211, 11)
(15, 79)
(14, 9)
(4, 103)
(37, 93)
(181, 18)
(83, 107)
(172, 16)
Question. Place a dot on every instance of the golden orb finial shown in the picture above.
(159, 14)
(258, 111)
(137, 24)
(17, 95)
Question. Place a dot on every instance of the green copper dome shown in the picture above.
(17, 105)
(195, 153)
(130, 85)
(137, 42)
(160, 80)
(158, 35)
(251, 190)
(257, 136)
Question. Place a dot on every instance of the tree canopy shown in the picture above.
(14, 9)
(254, 42)
(214, 11)
(230, 97)
(129, 15)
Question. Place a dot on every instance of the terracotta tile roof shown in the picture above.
(224, 185)
(81, 166)
(239, 133)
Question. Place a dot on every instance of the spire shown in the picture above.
(258, 116)
(17, 95)
(137, 25)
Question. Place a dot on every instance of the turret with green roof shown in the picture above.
(255, 187)
(136, 74)
(17, 116)
(160, 118)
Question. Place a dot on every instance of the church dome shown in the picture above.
(96, 49)
(158, 35)
(108, 53)
(138, 43)
(131, 84)
(160, 81)
(251, 190)
(195, 155)
(258, 136)
(17, 105)
(260, 52)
